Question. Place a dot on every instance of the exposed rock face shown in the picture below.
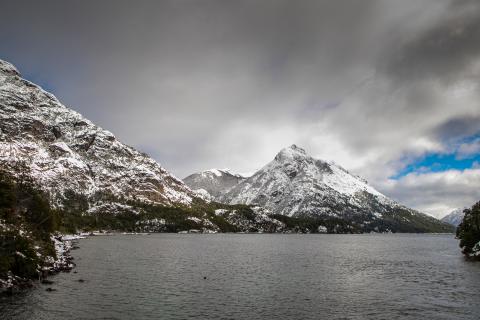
(214, 181)
(455, 217)
(295, 184)
(61, 150)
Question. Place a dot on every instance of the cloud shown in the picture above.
(437, 193)
(444, 52)
(457, 127)
(468, 150)
(372, 85)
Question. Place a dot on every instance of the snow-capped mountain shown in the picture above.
(213, 183)
(455, 217)
(61, 150)
(295, 184)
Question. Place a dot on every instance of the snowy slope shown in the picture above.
(455, 217)
(215, 182)
(295, 184)
(61, 150)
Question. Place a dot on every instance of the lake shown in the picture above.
(259, 276)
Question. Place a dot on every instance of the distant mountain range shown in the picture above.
(294, 184)
(455, 217)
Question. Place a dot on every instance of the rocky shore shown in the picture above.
(62, 263)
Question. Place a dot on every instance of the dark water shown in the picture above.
(161, 276)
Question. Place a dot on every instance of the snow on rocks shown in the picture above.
(48, 264)
(322, 229)
(151, 225)
(64, 151)
(8, 68)
(455, 217)
(215, 182)
(476, 251)
(294, 183)
(63, 262)
(112, 208)
(203, 194)
(259, 221)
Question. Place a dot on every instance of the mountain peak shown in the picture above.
(215, 171)
(296, 148)
(292, 152)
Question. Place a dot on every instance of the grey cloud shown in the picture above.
(437, 193)
(444, 52)
(458, 127)
(468, 150)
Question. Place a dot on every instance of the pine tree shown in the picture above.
(469, 232)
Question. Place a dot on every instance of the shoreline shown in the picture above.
(63, 244)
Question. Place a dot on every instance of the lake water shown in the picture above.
(265, 276)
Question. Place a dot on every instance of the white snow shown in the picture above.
(322, 229)
(65, 151)
(455, 217)
(220, 212)
(18, 253)
(216, 172)
(203, 194)
(70, 237)
(296, 182)
(345, 183)
(195, 219)
(476, 250)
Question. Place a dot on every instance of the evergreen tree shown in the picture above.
(469, 232)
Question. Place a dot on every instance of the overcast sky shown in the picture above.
(388, 89)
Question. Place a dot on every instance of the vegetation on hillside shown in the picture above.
(469, 232)
(26, 224)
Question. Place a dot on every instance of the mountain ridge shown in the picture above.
(294, 184)
(211, 184)
(62, 150)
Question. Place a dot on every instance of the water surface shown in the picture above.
(269, 276)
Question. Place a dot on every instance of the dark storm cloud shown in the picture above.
(457, 128)
(201, 84)
(444, 51)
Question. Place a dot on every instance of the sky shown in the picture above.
(388, 89)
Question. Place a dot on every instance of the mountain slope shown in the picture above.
(215, 181)
(295, 184)
(455, 217)
(63, 151)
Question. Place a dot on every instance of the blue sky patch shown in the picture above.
(438, 162)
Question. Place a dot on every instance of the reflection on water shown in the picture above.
(234, 276)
